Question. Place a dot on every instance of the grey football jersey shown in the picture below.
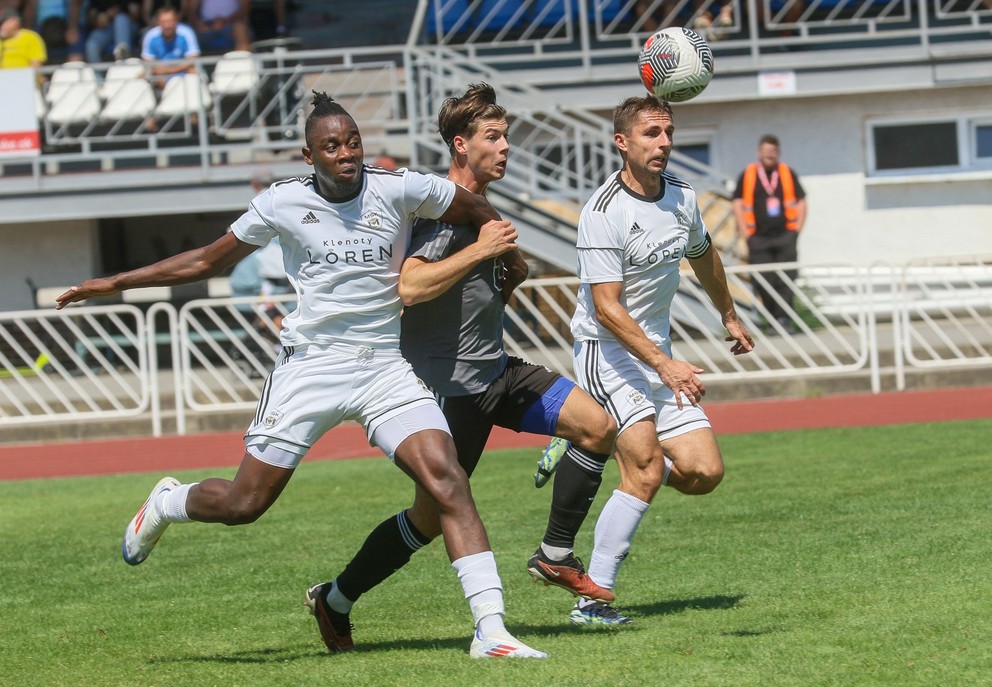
(455, 342)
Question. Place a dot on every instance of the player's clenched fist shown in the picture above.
(497, 236)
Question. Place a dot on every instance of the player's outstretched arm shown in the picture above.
(708, 268)
(190, 266)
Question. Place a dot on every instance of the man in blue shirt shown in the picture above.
(170, 41)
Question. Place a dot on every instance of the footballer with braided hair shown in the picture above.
(344, 230)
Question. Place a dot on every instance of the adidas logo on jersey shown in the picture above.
(636, 229)
(310, 219)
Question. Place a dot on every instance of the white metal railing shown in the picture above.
(90, 363)
(945, 313)
(103, 362)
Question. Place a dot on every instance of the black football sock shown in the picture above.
(576, 482)
(387, 549)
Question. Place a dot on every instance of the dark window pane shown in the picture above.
(700, 152)
(908, 146)
(983, 141)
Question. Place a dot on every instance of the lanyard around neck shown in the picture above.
(768, 185)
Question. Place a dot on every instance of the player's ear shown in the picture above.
(620, 141)
(307, 157)
(458, 143)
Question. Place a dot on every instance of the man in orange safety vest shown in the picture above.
(770, 209)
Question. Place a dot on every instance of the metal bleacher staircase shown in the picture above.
(559, 156)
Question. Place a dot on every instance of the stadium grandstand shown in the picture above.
(882, 106)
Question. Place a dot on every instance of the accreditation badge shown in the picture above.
(773, 206)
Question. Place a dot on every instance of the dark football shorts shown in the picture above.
(525, 398)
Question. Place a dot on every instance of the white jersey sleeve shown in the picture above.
(600, 250)
(432, 194)
(257, 225)
(699, 240)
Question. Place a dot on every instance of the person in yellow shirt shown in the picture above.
(19, 47)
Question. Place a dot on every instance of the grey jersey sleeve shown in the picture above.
(431, 240)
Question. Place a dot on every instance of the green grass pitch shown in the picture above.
(827, 557)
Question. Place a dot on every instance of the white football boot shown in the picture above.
(147, 526)
(500, 644)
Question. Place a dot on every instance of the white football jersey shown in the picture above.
(343, 258)
(639, 241)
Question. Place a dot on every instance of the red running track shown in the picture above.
(164, 454)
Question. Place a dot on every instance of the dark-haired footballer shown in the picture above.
(455, 283)
(344, 231)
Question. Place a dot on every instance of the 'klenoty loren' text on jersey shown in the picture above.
(344, 257)
(639, 241)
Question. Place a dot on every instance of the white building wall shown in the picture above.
(852, 217)
(49, 253)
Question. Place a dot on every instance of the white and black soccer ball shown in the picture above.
(675, 64)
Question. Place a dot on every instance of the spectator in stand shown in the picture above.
(221, 25)
(718, 27)
(268, 19)
(19, 47)
(150, 8)
(107, 28)
(25, 9)
(52, 26)
(770, 209)
(170, 42)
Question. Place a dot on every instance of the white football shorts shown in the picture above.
(629, 390)
(316, 387)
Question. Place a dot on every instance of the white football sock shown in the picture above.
(555, 553)
(172, 504)
(483, 589)
(614, 533)
(338, 601)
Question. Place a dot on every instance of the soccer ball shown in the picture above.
(675, 64)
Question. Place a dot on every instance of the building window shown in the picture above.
(953, 144)
(983, 141)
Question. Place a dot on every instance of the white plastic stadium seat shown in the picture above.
(184, 94)
(131, 99)
(234, 74)
(78, 103)
(117, 74)
(67, 76)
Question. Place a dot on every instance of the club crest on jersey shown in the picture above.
(372, 218)
(272, 419)
(682, 218)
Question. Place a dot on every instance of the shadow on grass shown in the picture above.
(702, 603)
(523, 631)
(285, 654)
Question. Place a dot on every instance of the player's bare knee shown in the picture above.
(243, 514)
(704, 479)
(450, 490)
(603, 435)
